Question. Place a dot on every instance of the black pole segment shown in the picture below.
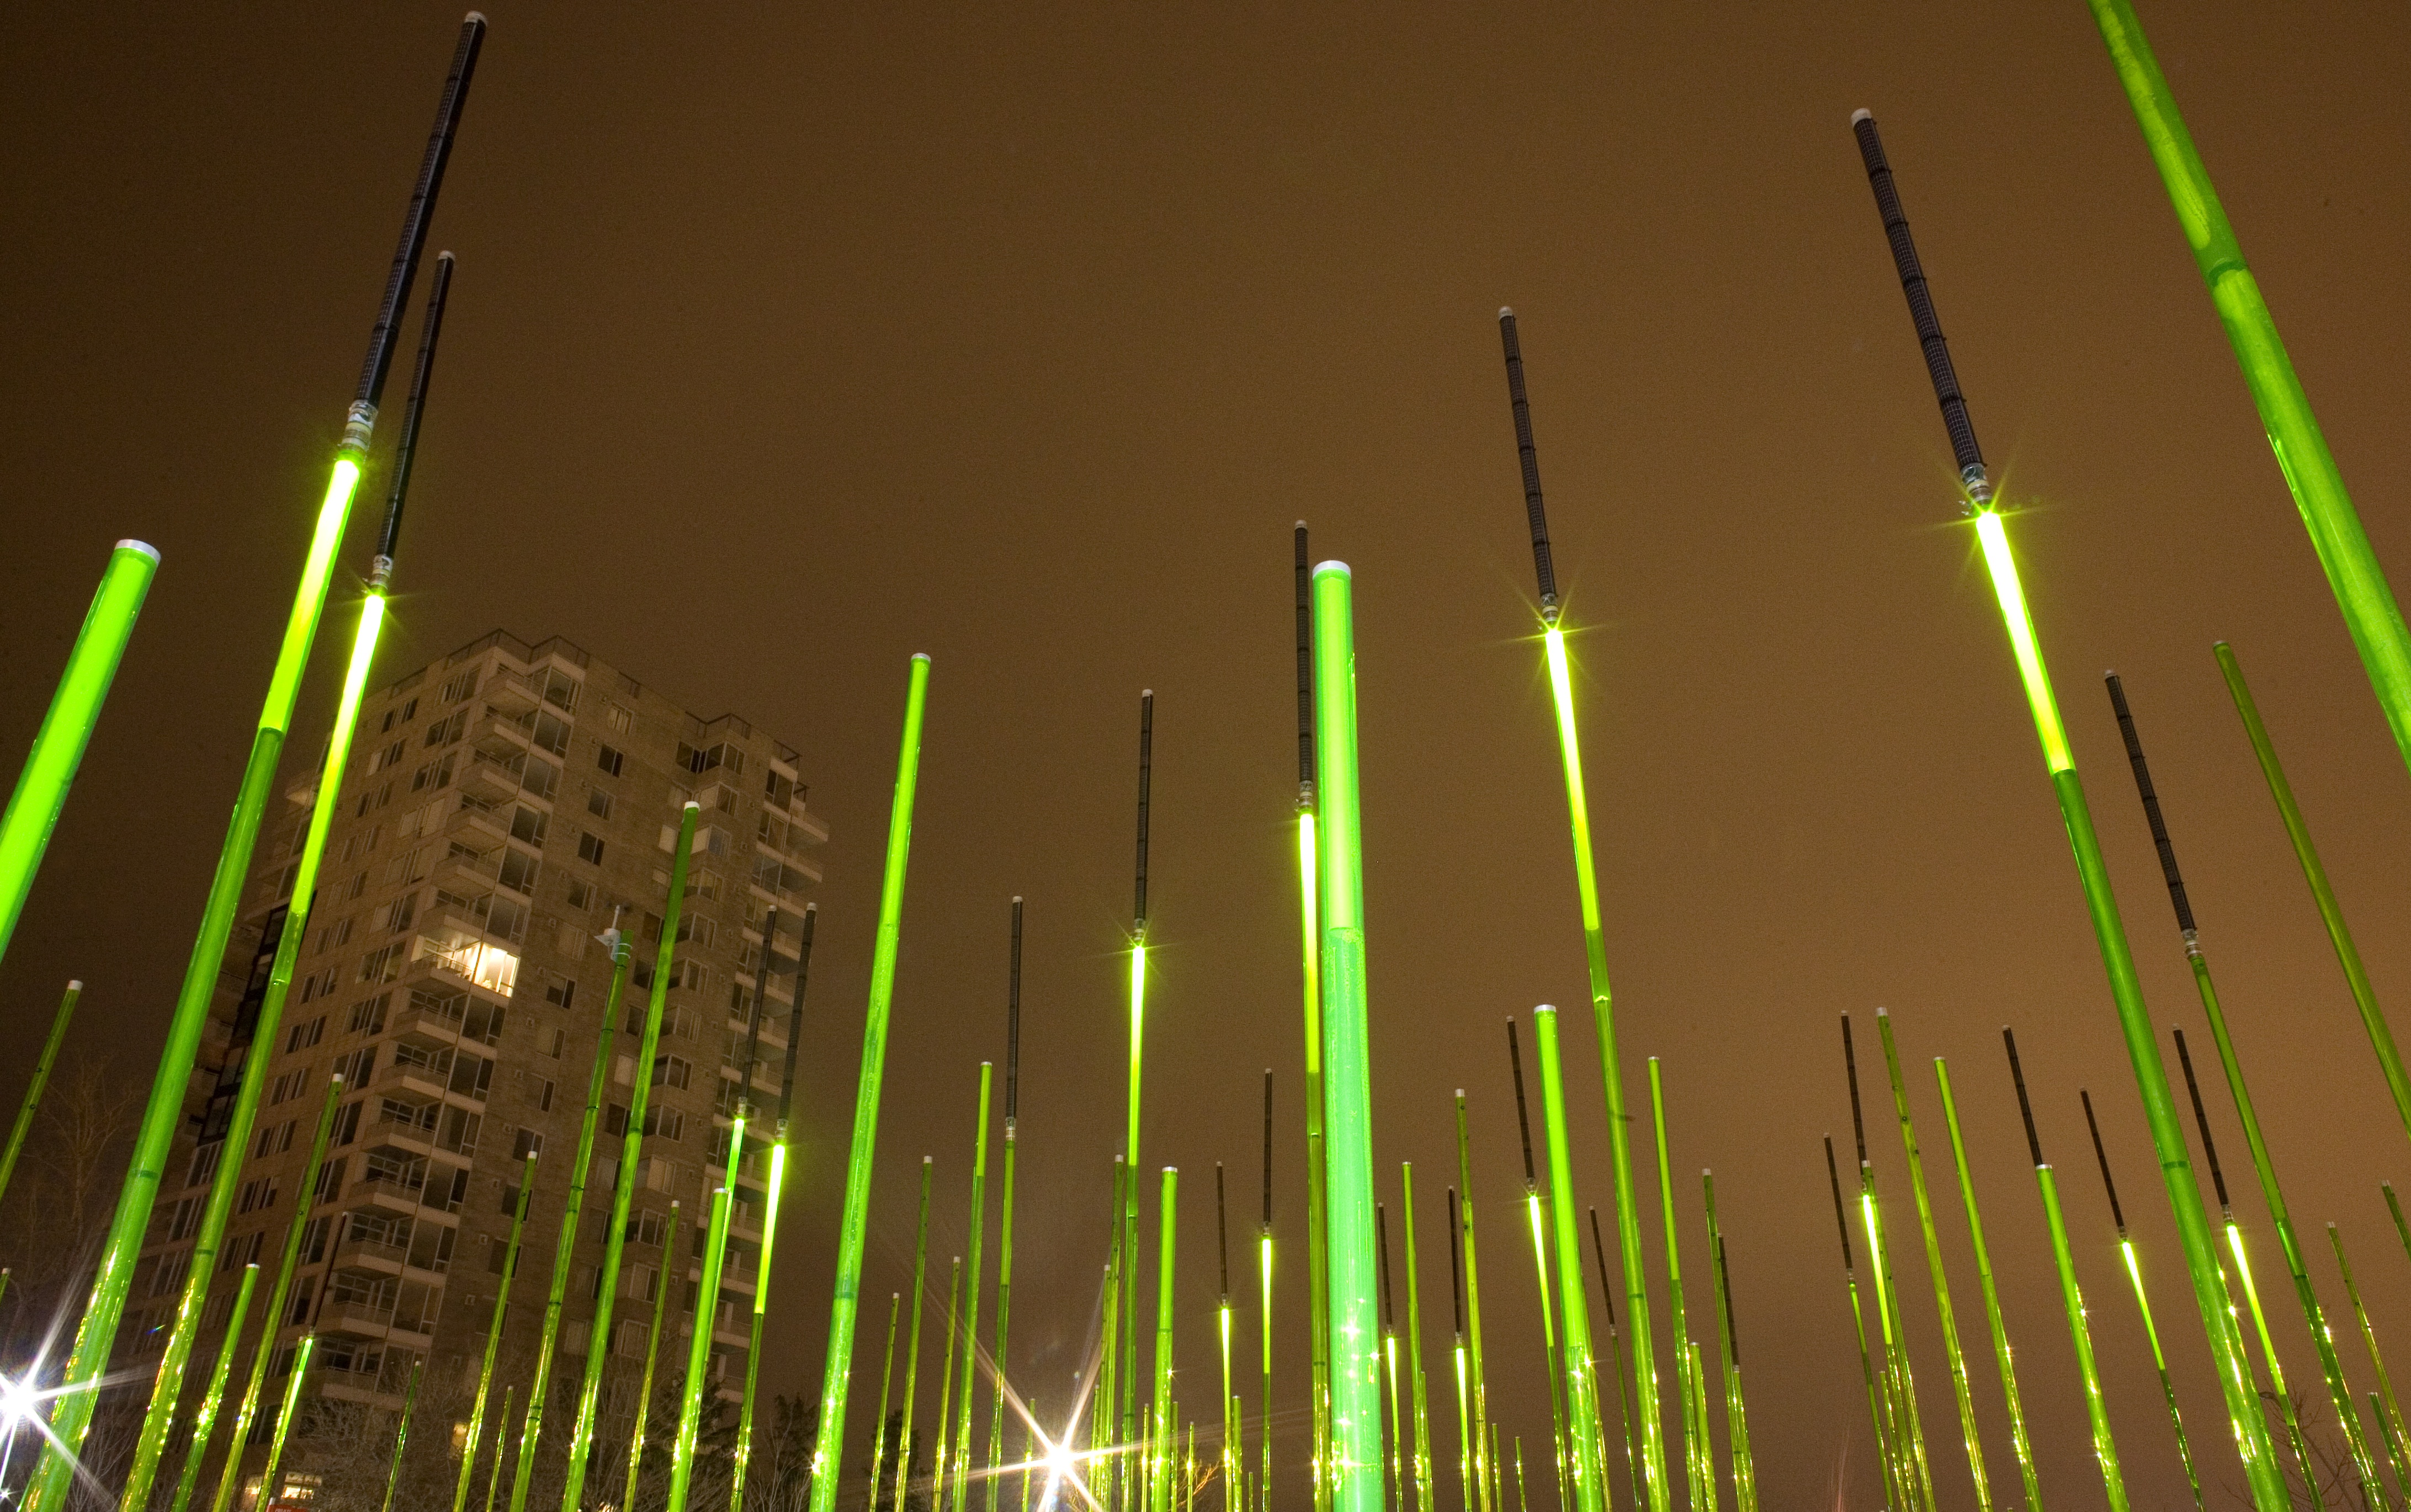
(2150, 805)
(1268, 1150)
(2025, 1109)
(1535, 512)
(1012, 1028)
(1223, 1232)
(1382, 1227)
(1305, 673)
(1841, 1214)
(1606, 1286)
(795, 1013)
(1455, 1268)
(2117, 1214)
(1851, 1069)
(761, 1002)
(415, 219)
(406, 448)
(1921, 311)
(1523, 1120)
(1732, 1328)
(1146, 762)
(2201, 1121)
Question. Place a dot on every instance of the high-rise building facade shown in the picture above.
(502, 808)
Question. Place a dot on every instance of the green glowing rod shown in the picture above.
(971, 1295)
(1103, 1426)
(775, 1192)
(1229, 1468)
(1401, 1436)
(65, 730)
(1745, 1466)
(1310, 944)
(2262, 1165)
(1697, 1468)
(494, 1341)
(1264, 1323)
(33, 1102)
(2402, 1228)
(2260, 1467)
(1465, 1454)
(402, 1434)
(2344, 554)
(1461, 1224)
(1422, 1459)
(1521, 1504)
(946, 1383)
(1354, 1326)
(205, 1417)
(1554, 1372)
(1896, 1494)
(573, 1213)
(1128, 1374)
(1586, 1443)
(502, 1444)
(2390, 1418)
(273, 1317)
(1615, 1350)
(2143, 1302)
(1619, 1138)
(699, 1359)
(2364, 997)
(1959, 1384)
(163, 1114)
(2105, 1448)
(854, 1225)
(886, 1385)
(1909, 1427)
(653, 1354)
(1160, 1460)
(623, 1187)
(168, 1383)
(1005, 1216)
(268, 1488)
(2001, 1352)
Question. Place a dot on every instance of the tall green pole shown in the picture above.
(1104, 1423)
(1467, 1457)
(1310, 868)
(494, 1340)
(1619, 1138)
(205, 1417)
(1347, 1087)
(774, 1193)
(1899, 1493)
(2143, 1302)
(1616, 1350)
(623, 1188)
(2001, 1352)
(401, 1437)
(1159, 1416)
(502, 1445)
(1422, 1467)
(572, 1216)
(65, 730)
(1004, 1232)
(2390, 1418)
(1909, 1427)
(912, 1346)
(273, 1319)
(1230, 1450)
(2344, 554)
(1744, 1468)
(163, 1114)
(855, 1224)
(972, 1296)
(1553, 1370)
(1586, 1445)
(1400, 1437)
(268, 1489)
(2260, 1467)
(1699, 1477)
(2402, 1228)
(886, 1384)
(1959, 1384)
(1264, 1320)
(2364, 997)
(1485, 1498)
(2105, 1448)
(1131, 1430)
(33, 1102)
(699, 1355)
(2331, 1368)
(637, 1434)
(946, 1383)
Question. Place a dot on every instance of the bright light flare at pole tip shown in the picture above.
(2003, 567)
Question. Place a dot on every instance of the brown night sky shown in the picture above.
(829, 337)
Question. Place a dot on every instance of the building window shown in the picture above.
(368, 1015)
(581, 895)
(257, 1195)
(598, 803)
(555, 1042)
(671, 1071)
(616, 718)
(305, 1035)
(590, 848)
(608, 759)
(561, 994)
(528, 1142)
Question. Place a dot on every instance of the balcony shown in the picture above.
(357, 1319)
(370, 1254)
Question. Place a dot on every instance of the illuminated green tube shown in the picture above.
(698, 1357)
(1616, 1350)
(1462, 1223)
(1897, 1494)
(886, 1384)
(1701, 1485)
(1160, 1460)
(1399, 1436)
(1352, 1317)
(205, 1415)
(65, 728)
(912, 1350)
(971, 1298)
(2001, 1352)
(501, 1443)
(2402, 1229)
(301, 1353)
(33, 1102)
(946, 1382)
(1554, 1372)
(1959, 1384)
(2343, 550)
(2390, 1418)
(1310, 868)
(1909, 1427)
(744, 1454)
(495, 1341)
(1131, 1430)
(1465, 1458)
(1229, 1468)
(2143, 1302)
(272, 1318)
(1004, 1219)
(854, 1224)
(1422, 1467)
(1745, 1464)
(2105, 1448)
(652, 1354)
(401, 1437)
(623, 1187)
(1584, 1442)
(1264, 1320)
(572, 1216)
(1104, 1427)
(2364, 997)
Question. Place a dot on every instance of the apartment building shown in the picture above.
(501, 808)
